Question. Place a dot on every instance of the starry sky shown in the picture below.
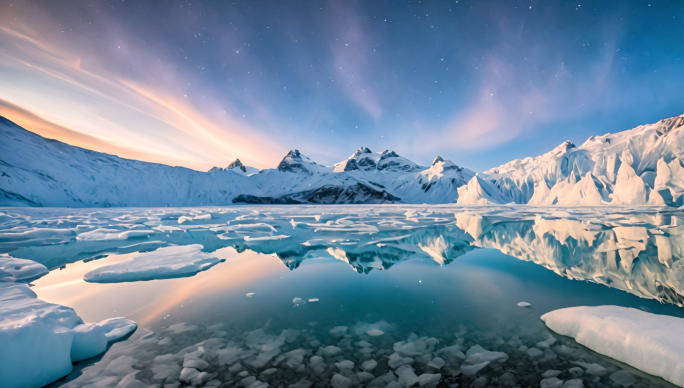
(200, 83)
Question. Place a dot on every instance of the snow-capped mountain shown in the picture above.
(238, 167)
(35, 171)
(642, 166)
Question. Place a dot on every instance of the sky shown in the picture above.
(201, 83)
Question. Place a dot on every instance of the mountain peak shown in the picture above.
(566, 145)
(237, 164)
(295, 161)
(294, 154)
(389, 154)
(437, 160)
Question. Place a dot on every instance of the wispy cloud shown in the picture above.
(122, 113)
(353, 60)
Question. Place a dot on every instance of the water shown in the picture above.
(429, 275)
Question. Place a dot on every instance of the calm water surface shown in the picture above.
(418, 285)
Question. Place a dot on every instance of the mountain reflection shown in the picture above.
(635, 250)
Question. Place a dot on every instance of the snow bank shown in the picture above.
(40, 340)
(649, 342)
(164, 263)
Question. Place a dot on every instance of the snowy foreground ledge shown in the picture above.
(649, 342)
(40, 340)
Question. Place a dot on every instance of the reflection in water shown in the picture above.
(416, 269)
(636, 250)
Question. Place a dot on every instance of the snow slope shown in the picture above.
(649, 342)
(35, 171)
(641, 166)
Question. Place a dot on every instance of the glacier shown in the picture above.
(635, 167)
(641, 166)
(652, 343)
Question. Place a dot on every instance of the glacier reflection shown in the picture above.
(638, 250)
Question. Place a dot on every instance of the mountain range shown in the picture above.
(641, 166)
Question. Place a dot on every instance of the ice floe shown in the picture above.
(649, 342)
(163, 263)
(40, 340)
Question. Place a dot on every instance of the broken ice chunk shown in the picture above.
(346, 364)
(364, 376)
(395, 361)
(303, 383)
(313, 300)
(369, 365)
(332, 351)
(338, 331)
(250, 294)
(427, 379)
(188, 374)
(406, 375)
(534, 353)
(574, 383)
(339, 381)
(552, 382)
(477, 354)
(551, 373)
(375, 332)
(592, 369)
(547, 343)
(436, 363)
(524, 304)
(471, 370)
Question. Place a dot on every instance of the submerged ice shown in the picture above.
(636, 250)
(40, 340)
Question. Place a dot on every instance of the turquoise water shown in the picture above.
(435, 287)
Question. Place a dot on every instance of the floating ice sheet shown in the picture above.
(164, 263)
(652, 343)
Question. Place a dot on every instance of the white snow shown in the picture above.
(640, 166)
(163, 263)
(40, 340)
(649, 342)
(635, 167)
(480, 192)
(21, 269)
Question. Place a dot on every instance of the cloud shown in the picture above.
(351, 62)
(43, 83)
(51, 130)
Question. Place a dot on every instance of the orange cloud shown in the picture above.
(51, 130)
(51, 91)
